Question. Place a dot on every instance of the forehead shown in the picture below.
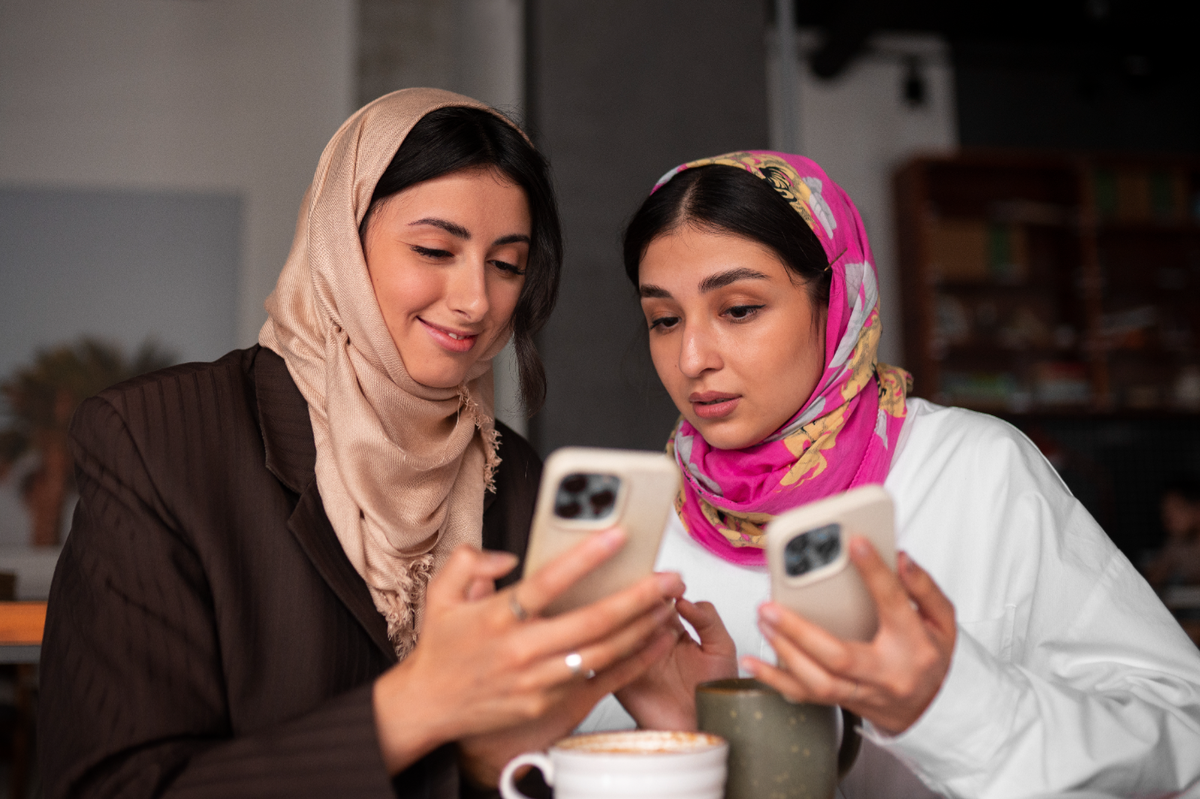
(690, 254)
(466, 190)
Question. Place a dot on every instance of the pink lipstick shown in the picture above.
(453, 340)
(713, 404)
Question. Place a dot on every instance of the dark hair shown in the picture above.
(731, 200)
(450, 139)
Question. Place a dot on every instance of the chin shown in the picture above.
(723, 438)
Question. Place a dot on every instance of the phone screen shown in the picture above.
(812, 549)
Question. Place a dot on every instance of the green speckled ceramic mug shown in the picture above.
(777, 750)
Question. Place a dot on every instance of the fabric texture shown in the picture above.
(401, 466)
(206, 633)
(1068, 674)
(843, 436)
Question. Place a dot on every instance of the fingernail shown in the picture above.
(769, 613)
(858, 546)
(767, 629)
(749, 666)
(907, 564)
(669, 582)
(612, 538)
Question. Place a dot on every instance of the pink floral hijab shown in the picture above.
(844, 434)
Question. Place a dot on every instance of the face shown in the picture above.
(738, 345)
(447, 260)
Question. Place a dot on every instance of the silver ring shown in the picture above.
(574, 662)
(515, 606)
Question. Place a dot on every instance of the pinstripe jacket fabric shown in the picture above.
(206, 634)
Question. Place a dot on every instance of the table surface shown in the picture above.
(21, 626)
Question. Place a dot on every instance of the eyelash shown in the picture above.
(503, 266)
(665, 323)
(748, 312)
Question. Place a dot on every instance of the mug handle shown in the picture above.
(508, 788)
(851, 743)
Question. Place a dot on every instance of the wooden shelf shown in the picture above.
(1086, 262)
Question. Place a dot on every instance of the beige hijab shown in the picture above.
(401, 467)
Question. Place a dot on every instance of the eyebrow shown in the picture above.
(723, 279)
(460, 232)
(710, 283)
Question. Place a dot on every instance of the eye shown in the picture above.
(429, 252)
(739, 313)
(663, 323)
(511, 269)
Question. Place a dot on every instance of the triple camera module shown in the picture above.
(586, 497)
(813, 549)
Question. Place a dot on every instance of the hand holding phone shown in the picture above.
(587, 489)
(810, 565)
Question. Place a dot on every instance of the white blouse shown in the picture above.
(1068, 672)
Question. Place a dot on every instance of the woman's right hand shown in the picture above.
(477, 668)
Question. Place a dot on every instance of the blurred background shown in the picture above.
(1029, 175)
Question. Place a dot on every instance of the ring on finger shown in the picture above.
(574, 662)
(514, 604)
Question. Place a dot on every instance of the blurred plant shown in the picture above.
(39, 399)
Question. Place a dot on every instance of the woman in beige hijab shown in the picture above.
(282, 577)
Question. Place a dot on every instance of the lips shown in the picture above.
(449, 338)
(713, 404)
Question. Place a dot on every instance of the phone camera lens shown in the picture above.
(601, 502)
(568, 510)
(812, 549)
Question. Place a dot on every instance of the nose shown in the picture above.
(466, 290)
(699, 351)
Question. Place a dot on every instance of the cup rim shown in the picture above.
(710, 741)
(737, 685)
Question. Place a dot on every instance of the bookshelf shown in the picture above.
(1052, 283)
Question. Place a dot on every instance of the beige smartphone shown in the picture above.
(810, 567)
(587, 489)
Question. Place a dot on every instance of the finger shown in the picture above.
(707, 623)
(551, 580)
(820, 683)
(602, 618)
(777, 678)
(780, 624)
(480, 588)
(623, 672)
(931, 602)
(891, 600)
(463, 568)
(552, 668)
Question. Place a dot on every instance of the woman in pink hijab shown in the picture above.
(1024, 656)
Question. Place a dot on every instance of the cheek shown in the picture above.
(664, 354)
(403, 289)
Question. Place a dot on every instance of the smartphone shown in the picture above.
(809, 562)
(587, 489)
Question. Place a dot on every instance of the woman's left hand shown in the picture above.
(664, 697)
(890, 680)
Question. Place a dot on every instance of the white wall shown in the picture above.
(859, 129)
(230, 96)
(227, 97)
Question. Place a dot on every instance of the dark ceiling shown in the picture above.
(1096, 74)
(1138, 36)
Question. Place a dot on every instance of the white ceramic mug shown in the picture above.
(633, 764)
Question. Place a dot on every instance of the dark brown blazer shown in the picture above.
(206, 634)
